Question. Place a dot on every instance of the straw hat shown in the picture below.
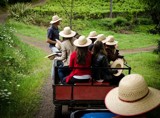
(101, 37)
(67, 33)
(118, 63)
(132, 97)
(51, 56)
(111, 40)
(55, 19)
(82, 42)
(92, 34)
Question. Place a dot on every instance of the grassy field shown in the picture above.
(146, 64)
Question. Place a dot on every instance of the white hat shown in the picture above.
(51, 56)
(92, 34)
(111, 40)
(55, 19)
(82, 41)
(132, 97)
(118, 63)
(102, 38)
(67, 33)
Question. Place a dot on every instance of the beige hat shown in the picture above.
(55, 19)
(111, 40)
(82, 41)
(101, 37)
(51, 56)
(132, 97)
(92, 34)
(67, 33)
(118, 63)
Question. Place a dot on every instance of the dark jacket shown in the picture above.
(100, 68)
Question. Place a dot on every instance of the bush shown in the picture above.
(18, 11)
(120, 21)
(3, 3)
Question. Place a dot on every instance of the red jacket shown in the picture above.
(77, 71)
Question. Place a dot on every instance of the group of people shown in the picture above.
(79, 53)
(132, 97)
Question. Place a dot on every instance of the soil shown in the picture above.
(46, 109)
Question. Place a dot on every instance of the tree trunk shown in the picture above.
(110, 8)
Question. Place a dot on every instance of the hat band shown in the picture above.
(135, 100)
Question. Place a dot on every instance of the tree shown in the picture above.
(153, 6)
(110, 9)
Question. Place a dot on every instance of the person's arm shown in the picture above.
(50, 41)
(63, 54)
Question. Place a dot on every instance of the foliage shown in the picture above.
(153, 7)
(3, 3)
(11, 70)
(157, 51)
(19, 81)
(18, 11)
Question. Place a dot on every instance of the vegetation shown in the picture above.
(21, 75)
(23, 67)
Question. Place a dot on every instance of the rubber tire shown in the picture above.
(58, 111)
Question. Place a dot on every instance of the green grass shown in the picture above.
(147, 65)
(125, 41)
(23, 72)
(29, 30)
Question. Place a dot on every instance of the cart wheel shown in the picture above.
(58, 111)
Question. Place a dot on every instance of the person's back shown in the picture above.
(100, 63)
(67, 48)
(80, 61)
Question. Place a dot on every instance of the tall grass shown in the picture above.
(23, 71)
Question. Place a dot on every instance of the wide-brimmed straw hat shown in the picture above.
(132, 97)
(51, 56)
(67, 33)
(82, 41)
(92, 34)
(111, 40)
(118, 63)
(55, 19)
(101, 37)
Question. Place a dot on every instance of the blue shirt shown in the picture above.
(53, 34)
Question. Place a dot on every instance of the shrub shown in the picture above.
(120, 21)
(18, 11)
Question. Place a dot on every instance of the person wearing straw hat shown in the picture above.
(67, 48)
(93, 36)
(53, 33)
(114, 56)
(132, 98)
(110, 45)
(101, 37)
(80, 62)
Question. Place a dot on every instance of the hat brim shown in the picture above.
(111, 43)
(117, 106)
(92, 37)
(73, 33)
(51, 56)
(51, 22)
(85, 45)
(118, 63)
